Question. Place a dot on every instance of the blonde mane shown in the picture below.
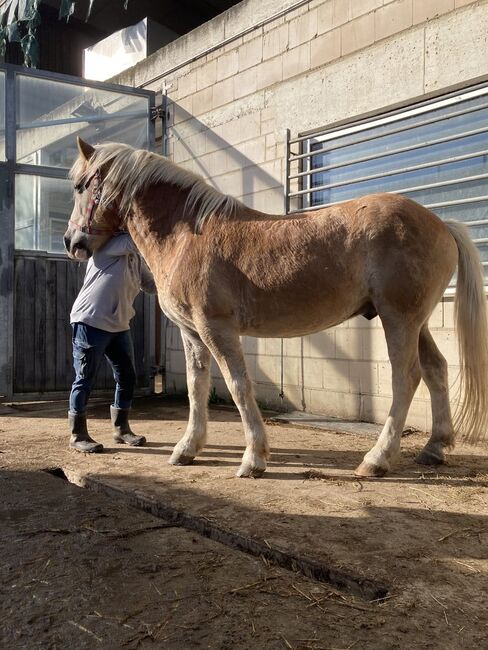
(132, 171)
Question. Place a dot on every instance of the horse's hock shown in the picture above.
(408, 542)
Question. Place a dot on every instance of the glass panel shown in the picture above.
(455, 121)
(2, 117)
(50, 114)
(42, 209)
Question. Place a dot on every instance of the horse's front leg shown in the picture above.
(197, 358)
(226, 348)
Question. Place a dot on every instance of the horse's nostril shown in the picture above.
(67, 242)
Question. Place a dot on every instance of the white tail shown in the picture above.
(470, 312)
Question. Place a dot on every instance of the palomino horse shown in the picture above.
(225, 270)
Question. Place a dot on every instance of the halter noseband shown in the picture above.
(92, 206)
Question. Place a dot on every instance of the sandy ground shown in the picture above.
(86, 570)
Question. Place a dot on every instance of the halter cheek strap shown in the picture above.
(92, 207)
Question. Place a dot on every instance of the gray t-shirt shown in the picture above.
(114, 276)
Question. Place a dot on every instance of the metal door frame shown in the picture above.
(8, 170)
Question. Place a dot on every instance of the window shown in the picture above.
(50, 111)
(435, 152)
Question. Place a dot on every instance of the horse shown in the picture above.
(224, 270)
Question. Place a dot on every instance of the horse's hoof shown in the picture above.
(181, 459)
(366, 469)
(428, 457)
(248, 471)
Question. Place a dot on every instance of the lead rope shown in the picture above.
(282, 391)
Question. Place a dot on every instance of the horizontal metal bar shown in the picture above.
(399, 114)
(482, 240)
(89, 119)
(41, 170)
(376, 136)
(393, 172)
(75, 81)
(479, 222)
(445, 204)
(392, 152)
(429, 186)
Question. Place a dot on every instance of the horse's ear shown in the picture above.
(85, 149)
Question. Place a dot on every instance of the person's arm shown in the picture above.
(147, 281)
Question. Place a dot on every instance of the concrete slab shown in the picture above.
(299, 418)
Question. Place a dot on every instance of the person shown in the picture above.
(100, 319)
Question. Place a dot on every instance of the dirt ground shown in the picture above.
(83, 568)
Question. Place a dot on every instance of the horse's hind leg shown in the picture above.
(198, 380)
(403, 341)
(227, 351)
(434, 372)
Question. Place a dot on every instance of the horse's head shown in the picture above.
(93, 220)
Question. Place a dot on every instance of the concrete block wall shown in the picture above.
(312, 64)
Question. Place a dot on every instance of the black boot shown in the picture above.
(122, 430)
(80, 440)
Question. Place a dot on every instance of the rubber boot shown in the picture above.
(80, 440)
(121, 427)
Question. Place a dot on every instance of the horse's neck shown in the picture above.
(157, 223)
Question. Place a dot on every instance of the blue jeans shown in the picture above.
(90, 344)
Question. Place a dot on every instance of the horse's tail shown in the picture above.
(470, 314)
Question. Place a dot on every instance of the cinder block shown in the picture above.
(268, 369)
(245, 83)
(227, 65)
(246, 127)
(269, 72)
(302, 29)
(336, 375)
(448, 313)
(246, 154)
(361, 7)
(357, 34)
(270, 201)
(374, 346)
(334, 404)
(249, 345)
(393, 18)
(376, 408)
(325, 48)
(341, 12)
(348, 343)
(275, 42)
(272, 346)
(436, 318)
(296, 61)
(223, 92)
(202, 101)
(293, 347)
(292, 375)
(187, 85)
(320, 345)
(250, 54)
(325, 15)
(384, 379)
(427, 9)
(206, 74)
(363, 377)
(446, 341)
(313, 373)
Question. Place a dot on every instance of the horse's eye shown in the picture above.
(79, 188)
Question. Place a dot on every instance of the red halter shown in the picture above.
(92, 206)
